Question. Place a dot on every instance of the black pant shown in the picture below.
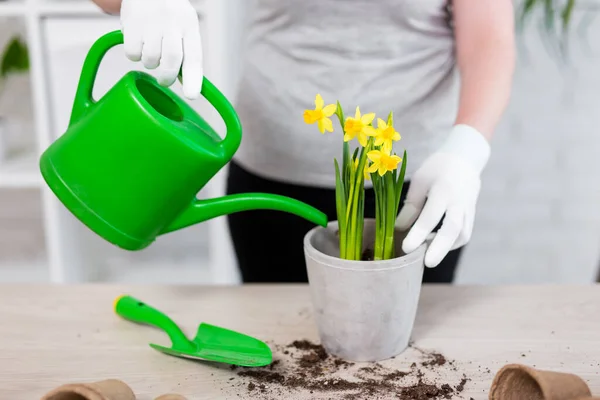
(269, 244)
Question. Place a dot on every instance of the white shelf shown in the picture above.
(67, 7)
(59, 34)
(11, 8)
(76, 8)
(20, 172)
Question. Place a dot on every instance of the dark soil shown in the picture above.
(392, 376)
(424, 391)
(305, 367)
(436, 360)
(461, 386)
(367, 255)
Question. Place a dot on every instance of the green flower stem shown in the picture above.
(389, 220)
(351, 219)
(340, 200)
(388, 190)
(342, 188)
(360, 230)
(350, 193)
(355, 213)
(379, 212)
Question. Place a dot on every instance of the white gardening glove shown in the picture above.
(447, 182)
(165, 35)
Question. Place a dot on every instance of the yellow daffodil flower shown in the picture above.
(320, 115)
(384, 135)
(382, 161)
(359, 127)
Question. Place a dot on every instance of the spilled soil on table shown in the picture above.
(303, 367)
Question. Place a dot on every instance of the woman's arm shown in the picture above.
(447, 184)
(485, 45)
(109, 6)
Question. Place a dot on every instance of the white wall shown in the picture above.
(539, 213)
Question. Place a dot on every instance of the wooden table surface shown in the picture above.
(51, 334)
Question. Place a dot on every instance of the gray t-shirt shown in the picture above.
(381, 55)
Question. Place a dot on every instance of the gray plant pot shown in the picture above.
(364, 310)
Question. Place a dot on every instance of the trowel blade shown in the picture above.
(221, 342)
(218, 356)
(225, 346)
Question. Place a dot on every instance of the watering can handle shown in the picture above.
(83, 95)
(84, 100)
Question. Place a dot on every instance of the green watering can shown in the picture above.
(130, 164)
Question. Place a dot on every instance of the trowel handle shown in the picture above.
(135, 310)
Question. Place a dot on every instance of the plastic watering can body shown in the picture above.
(130, 164)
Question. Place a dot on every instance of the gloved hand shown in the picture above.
(447, 183)
(165, 35)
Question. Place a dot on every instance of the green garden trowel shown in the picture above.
(211, 343)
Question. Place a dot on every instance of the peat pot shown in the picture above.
(364, 310)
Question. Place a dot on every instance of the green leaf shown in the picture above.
(346, 168)
(549, 14)
(400, 181)
(340, 203)
(339, 188)
(340, 114)
(350, 203)
(390, 119)
(390, 217)
(379, 216)
(567, 13)
(526, 10)
(360, 224)
(357, 190)
(15, 58)
(528, 7)
(346, 153)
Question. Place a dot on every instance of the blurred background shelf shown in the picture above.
(39, 239)
(73, 8)
(22, 259)
(12, 8)
(68, 7)
(20, 171)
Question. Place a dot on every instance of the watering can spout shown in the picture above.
(202, 210)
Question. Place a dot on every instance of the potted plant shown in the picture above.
(557, 16)
(365, 290)
(14, 59)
